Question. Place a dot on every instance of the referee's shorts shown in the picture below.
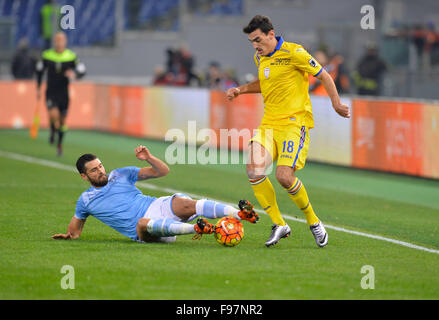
(59, 100)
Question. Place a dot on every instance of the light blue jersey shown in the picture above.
(119, 204)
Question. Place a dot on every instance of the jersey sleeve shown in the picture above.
(80, 69)
(129, 173)
(304, 61)
(40, 67)
(81, 211)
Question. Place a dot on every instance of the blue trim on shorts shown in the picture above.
(302, 142)
(170, 203)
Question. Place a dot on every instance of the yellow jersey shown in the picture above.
(283, 77)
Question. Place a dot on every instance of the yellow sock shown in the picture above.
(266, 196)
(298, 194)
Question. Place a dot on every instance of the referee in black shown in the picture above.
(62, 66)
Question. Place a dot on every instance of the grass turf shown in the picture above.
(37, 201)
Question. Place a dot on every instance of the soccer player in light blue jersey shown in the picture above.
(115, 200)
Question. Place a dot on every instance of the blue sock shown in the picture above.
(168, 227)
(213, 210)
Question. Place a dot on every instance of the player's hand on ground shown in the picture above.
(61, 236)
(142, 153)
(232, 93)
(342, 110)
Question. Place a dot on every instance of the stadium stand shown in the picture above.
(128, 27)
(27, 14)
(96, 23)
(151, 15)
(216, 7)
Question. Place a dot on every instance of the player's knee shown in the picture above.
(183, 207)
(254, 171)
(285, 176)
(188, 207)
(250, 171)
(141, 229)
(142, 224)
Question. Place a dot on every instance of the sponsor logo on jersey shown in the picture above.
(281, 62)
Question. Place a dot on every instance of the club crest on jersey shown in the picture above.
(266, 72)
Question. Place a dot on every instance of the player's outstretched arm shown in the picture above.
(74, 230)
(158, 167)
(328, 83)
(251, 87)
(77, 72)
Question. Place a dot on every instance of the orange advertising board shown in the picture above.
(431, 141)
(19, 101)
(168, 110)
(388, 136)
(132, 110)
(102, 107)
(120, 109)
(81, 106)
(239, 117)
(115, 108)
(18, 104)
(395, 136)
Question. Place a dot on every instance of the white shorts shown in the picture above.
(161, 208)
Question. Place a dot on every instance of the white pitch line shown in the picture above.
(46, 163)
(57, 165)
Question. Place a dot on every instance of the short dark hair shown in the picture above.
(82, 160)
(259, 22)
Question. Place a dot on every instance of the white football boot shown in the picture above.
(277, 233)
(320, 234)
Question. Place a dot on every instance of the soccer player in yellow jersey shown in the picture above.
(283, 135)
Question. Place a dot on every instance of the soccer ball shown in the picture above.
(229, 231)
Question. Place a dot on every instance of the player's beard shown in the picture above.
(101, 181)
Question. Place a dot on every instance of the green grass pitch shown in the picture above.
(37, 201)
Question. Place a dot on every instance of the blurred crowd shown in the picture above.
(334, 65)
(364, 80)
(413, 47)
(23, 61)
(25, 57)
(179, 71)
(424, 37)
